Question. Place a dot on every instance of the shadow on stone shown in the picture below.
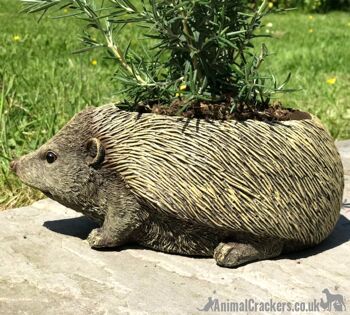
(77, 227)
(121, 248)
(82, 226)
(340, 235)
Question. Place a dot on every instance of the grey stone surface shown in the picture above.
(46, 267)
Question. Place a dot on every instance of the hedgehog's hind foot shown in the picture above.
(234, 254)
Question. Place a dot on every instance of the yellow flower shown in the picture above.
(332, 81)
(16, 38)
(94, 62)
(311, 17)
(183, 87)
(269, 24)
(311, 30)
(65, 10)
(270, 5)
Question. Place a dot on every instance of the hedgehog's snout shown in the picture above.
(29, 170)
(21, 167)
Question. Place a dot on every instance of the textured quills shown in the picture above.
(271, 179)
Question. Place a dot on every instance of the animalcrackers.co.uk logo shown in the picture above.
(329, 303)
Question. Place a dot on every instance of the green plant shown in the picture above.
(202, 49)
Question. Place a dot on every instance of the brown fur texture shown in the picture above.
(238, 191)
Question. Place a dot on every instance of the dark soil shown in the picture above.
(221, 111)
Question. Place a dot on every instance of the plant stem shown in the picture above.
(189, 36)
(119, 55)
(107, 34)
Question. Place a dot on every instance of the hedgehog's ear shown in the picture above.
(96, 152)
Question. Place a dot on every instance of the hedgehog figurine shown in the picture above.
(236, 191)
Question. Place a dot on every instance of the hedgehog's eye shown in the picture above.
(50, 157)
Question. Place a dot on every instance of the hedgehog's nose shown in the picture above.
(13, 166)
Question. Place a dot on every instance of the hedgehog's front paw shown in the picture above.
(98, 239)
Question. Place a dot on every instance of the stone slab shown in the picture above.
(46, 267)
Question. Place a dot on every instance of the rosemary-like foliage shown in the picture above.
(202, 49)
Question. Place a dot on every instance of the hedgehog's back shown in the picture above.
(282, 179)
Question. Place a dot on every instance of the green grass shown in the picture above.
(314, 48)
(42, 84)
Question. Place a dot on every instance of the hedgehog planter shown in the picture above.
(237, 191)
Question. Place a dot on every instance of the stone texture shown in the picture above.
(46, 267)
